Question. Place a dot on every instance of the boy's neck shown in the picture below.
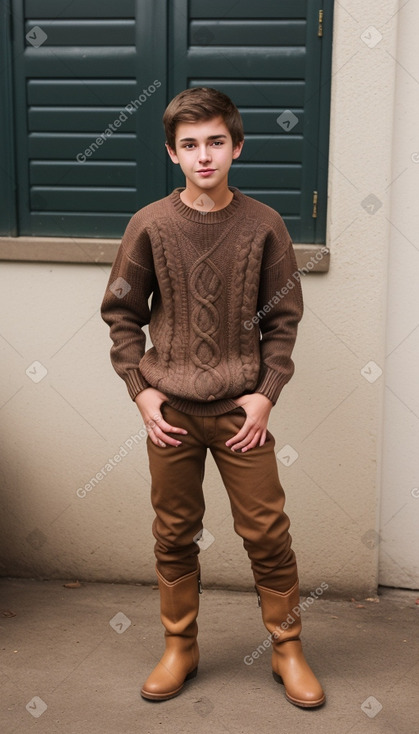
(221, 196)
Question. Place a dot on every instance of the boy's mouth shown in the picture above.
(206, 171)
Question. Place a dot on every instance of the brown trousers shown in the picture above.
(252, 483)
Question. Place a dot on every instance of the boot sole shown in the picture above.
(296, 701)
(166, 696)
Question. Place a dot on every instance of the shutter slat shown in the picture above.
(264, 148)
(265, 176)
(85, 61)
(88, 174)
(81, 91)
(114, 120)
(267, 120)
(83, 199)
(79, 9)
(247, 33)
(248, 9)
(286, 202)
(85, 32)
(252, 63)
(258, 93)
(56, 146)
(80, 224)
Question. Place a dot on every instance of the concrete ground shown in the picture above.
(73, 660)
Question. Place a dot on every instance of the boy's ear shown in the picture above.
(238, 149)
(171, 153)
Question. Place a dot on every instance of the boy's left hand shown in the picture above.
(253, 430)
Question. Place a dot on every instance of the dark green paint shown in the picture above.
(78, 177)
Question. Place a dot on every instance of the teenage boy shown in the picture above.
(226, 301)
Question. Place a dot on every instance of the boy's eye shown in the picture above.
(190, 146)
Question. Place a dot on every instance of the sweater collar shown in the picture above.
(209, 217)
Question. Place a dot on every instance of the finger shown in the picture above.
(263, 438)
(162, 439)
(157, 441)
(241, 434)
(162, 432)
(165, 426)
(249, 443)
(253, 443)
(165, 438)
(239, 442)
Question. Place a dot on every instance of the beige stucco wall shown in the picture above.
(399, 538)
(59, 432)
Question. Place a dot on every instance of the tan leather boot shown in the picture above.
(282, 617)
(179, 603)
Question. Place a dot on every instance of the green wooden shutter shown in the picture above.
(84, 161)
(78, 64)
(273, 59)
(8, 224)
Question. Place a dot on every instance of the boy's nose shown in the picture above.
(204, 155)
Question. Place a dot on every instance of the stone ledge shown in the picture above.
(313, 258)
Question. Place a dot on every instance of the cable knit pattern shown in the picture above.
(249, 258)
(206, 287)
(164, 328)
(226, 302)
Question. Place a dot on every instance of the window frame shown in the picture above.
(102, 250)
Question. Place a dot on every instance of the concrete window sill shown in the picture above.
(313, 258)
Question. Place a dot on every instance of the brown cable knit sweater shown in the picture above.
(219, 323)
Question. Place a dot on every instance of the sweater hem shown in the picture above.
(204, 409)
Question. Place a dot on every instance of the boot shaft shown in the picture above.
(179, 604)
(281, 612)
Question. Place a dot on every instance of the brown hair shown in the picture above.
(202, 103)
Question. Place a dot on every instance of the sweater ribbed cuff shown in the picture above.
(135, 383)
(271, 383)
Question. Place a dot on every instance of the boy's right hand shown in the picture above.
(149, 402)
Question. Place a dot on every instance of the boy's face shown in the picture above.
(204, 151)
